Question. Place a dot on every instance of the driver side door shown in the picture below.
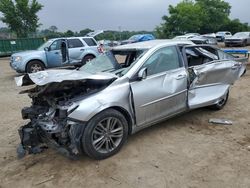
(163, 92)
(53, 54)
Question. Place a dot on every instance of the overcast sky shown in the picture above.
(110, 14)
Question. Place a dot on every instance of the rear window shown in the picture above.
(90, 41)
(74, 43)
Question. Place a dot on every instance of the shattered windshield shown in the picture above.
(102, 63)
(117, 62)
(45, 45)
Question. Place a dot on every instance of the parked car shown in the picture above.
(204, 40)
(238, 39)
(211, 35)
(222, 35)
(198, 39)
(185, 37)
(138, 38)
(81, 50)
(94, 109)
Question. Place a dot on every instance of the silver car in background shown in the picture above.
(238, 39)
(94, 109)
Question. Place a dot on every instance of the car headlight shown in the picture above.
(17, 59)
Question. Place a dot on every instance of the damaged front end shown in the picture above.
(52, 103)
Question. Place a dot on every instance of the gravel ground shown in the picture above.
(185, 151)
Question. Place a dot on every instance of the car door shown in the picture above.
(163, 92)
(53, 54)
(210, 75)
(76, 49)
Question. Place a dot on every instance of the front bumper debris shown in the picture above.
(35, 140)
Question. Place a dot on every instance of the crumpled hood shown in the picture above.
(50, 76)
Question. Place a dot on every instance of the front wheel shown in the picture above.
(105, 134)
(34, 66)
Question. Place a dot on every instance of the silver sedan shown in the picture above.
(94, 109)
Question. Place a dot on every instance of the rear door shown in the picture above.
(210, 75)
(76, 49)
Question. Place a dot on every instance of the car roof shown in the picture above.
(223, 32)
(69, 38)
(246, 32)
(151, 43)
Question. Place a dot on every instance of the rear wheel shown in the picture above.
(87, 58)
(34, 66)
(105, 134)
(222, 102)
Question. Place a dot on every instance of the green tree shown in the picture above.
(20, 16)
(186, 17)
(85, 31)
(215, 14)
(53, 28)
(199, 16)
(69, 33)
(235, 26)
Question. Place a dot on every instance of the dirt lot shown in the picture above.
(183, 152)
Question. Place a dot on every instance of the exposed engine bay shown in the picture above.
(49, 124)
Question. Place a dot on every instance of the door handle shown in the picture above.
(235, 66)
(81, 49)
(181, 76)
(56, 52)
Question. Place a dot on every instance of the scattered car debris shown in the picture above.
(220, 121)
(46, 180)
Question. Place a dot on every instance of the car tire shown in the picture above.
(221, 103)
(87, 58)
(105, 134)
(34, 66)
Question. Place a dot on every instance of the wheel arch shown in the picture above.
(89, 54)
(123, 111)
(127, 116)
(34, 60)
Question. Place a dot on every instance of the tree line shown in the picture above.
(199, 16)
(188, 16)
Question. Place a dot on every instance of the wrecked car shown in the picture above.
(94, 109)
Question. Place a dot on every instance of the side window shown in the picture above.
(74, 43)
(56, 45)
(89, 41)
(200, 55)
(163, 60)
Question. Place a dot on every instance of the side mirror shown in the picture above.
(46, 49)
(142, 74)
